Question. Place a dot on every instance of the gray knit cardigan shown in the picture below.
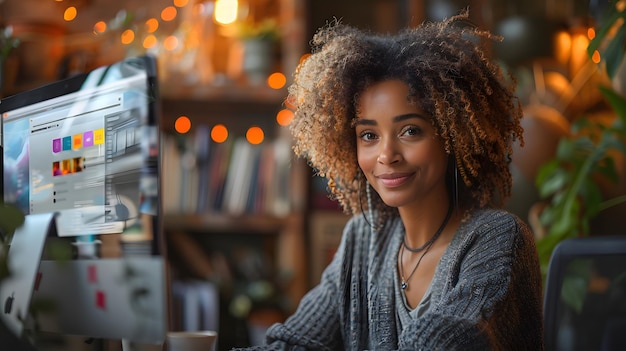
(486, 293)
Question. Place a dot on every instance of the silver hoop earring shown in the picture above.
(370, 211)
(455, 198)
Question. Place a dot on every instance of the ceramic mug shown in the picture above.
(204, 340)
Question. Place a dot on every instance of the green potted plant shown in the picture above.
(11, 218)
(258, 39)
(571, 181)
(267, 30)
(8, 42)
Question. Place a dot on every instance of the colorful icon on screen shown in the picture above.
(56, 145)
(88, 139)
(77, 141)
(67, 143)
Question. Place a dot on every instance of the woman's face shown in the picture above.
(398, 149)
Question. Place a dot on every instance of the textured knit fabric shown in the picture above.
(486, 293)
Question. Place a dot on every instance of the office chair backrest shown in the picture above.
(585, 295)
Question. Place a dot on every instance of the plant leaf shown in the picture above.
(555, 182)
(603, 31)
(565, 149)
(545, 171)
(614, 52)
(617, 102)
(11, 218)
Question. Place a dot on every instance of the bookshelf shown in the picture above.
(270, 216)
(277, 228)
(232, 203)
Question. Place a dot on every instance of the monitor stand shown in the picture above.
(23, 259)
(105, 298)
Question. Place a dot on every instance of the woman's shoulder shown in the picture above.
(360, 227)
(491, 232)
(356, 226)
(488, 217)
(491, 222)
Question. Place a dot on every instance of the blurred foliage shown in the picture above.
(11, 218)
(570, 181)
(267, 29)
(7, 42)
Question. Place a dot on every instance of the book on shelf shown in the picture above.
(218, 172)
(239, 181)
(326, 228)
(172, 175)
(233, 177)
(202, 146)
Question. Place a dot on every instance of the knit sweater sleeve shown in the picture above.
(489, 259)
(316, 323)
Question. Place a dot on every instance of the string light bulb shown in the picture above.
(255, 135)
(182, 125)
(70, 13)
(226, 11)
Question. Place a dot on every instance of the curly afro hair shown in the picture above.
(450, 76)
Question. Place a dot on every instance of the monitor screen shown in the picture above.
(585, 302)
(85, 148)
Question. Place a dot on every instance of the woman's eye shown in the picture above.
(367, 136)
(412, 130)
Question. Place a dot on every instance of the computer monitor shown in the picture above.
(86, 149)
(585, 296)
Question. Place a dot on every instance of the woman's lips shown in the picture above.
(393, 180)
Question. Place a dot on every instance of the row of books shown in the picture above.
(233, 177)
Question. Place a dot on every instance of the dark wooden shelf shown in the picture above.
(236, 107)
(223, 223)
(233, 93)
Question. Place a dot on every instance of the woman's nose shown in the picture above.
(388, 153)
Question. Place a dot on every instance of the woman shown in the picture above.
(414, 133)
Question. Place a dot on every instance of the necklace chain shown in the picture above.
(405, 282)
(432, 238)
(426, 247)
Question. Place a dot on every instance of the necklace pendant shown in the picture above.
(404, 285)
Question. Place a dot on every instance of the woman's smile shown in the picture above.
(392, 180)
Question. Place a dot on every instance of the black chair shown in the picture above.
(585, 295)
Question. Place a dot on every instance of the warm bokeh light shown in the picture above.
(182, 124)
(591, 33)
(219, 133)
(289, 103)
(170, 43)
(70, 13)
(595, 58)
(181, 3)
(284, 117)
(579, 41)
(562, 46)
(579, 55)
(100, 27)
(152, 25)
(255, 135)
(276, 80)
(128, 36)
(304, 57)
(168, 13)
(149, 41)
(226, 11)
